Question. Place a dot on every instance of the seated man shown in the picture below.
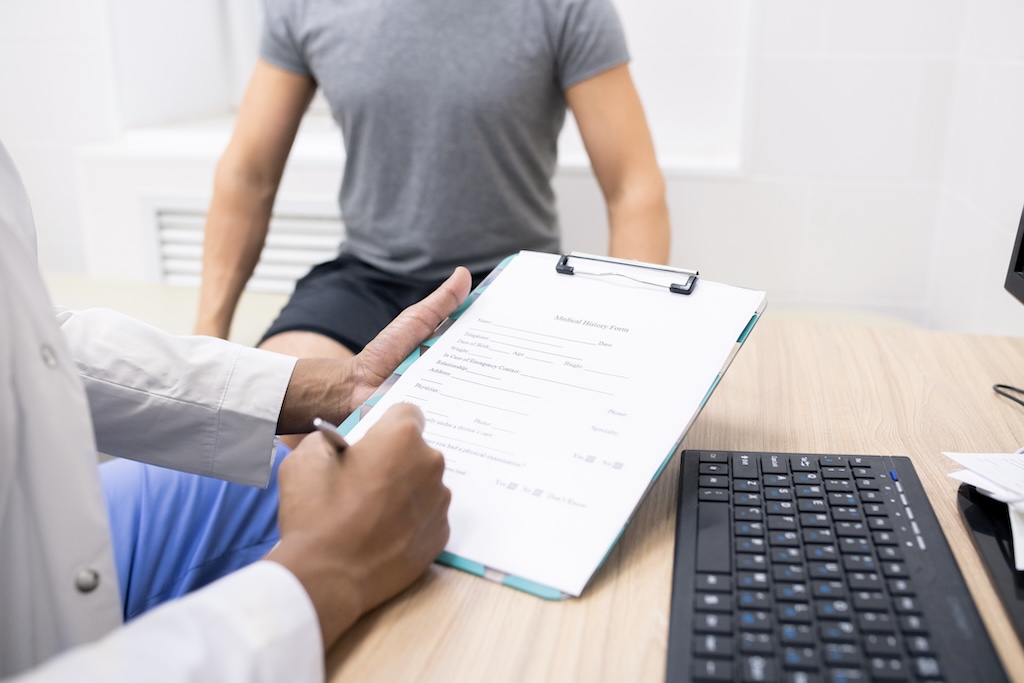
(355, 528)
(451, 113)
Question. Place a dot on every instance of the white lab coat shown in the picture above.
(193, 403)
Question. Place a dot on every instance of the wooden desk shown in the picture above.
(795, 386)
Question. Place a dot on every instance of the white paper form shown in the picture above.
(556, 399)
(1001, 477)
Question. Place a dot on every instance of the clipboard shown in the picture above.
(642, 281)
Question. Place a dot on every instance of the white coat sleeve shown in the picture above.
(197, 404)
(255, 625)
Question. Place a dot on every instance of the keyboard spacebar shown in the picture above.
(713, 538)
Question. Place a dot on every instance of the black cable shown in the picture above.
(1005, 389)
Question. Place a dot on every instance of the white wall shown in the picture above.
(982, 186)
(876, 162)
(56, 92)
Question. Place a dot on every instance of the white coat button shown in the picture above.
(49, 357)
(87, 580)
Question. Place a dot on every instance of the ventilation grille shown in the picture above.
(294, 245)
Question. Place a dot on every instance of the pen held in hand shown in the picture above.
(331, 432)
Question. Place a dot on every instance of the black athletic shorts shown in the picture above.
(350, 301)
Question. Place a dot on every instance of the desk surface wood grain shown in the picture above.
(794, 387)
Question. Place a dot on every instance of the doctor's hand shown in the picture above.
(333, 388)
(357, 527)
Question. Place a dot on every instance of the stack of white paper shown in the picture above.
(1000, 476)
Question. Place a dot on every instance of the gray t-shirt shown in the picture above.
(450, 111)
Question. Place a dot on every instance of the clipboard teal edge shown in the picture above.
(476, 568)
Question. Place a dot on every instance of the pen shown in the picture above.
(331, 432)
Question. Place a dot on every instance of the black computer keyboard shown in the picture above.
(801, 568)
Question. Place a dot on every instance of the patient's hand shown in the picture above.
(332, 388)
(395, 342)
(360, 526)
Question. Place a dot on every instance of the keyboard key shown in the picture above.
(772, 463)
(744, 466)
(755, 669)
(839, 498)
(818, 519)
(712, 670)
(708, 456)
(828, 589)
(793, 613)
(895, 569)
(713, 602)
(912, 624)
(876, 645)
(786, 556)
(748, 514)
(712, 623)
(821, 552)
(844, 514)
(842, 655)
(837, 632)
(720, 583)
(870, 601)
(754, 600)
(803, 463)
(784, 538)
(781, 523)
(815, 505)
(859, 563)
(752, 580)
(907, 605)
(887, 669)
(927, 667)
(816, 535)
(824, 570)
(800, 658)
(755, 620)
(853, 545)
(720, 495)
(757, 643)
(795, 573)
(751, 561)
(780, 507)
(875, 622)
(791, 591)
(843, 528)
(713, 645)
(832, 609)
(713, 552)
(796, 634)
(864, 581)
(748, 529)
(919, 645)
(889, 552)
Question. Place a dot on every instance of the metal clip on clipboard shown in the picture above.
(686, 287)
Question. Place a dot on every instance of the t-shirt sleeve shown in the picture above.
(590, 40)
(278, 44)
